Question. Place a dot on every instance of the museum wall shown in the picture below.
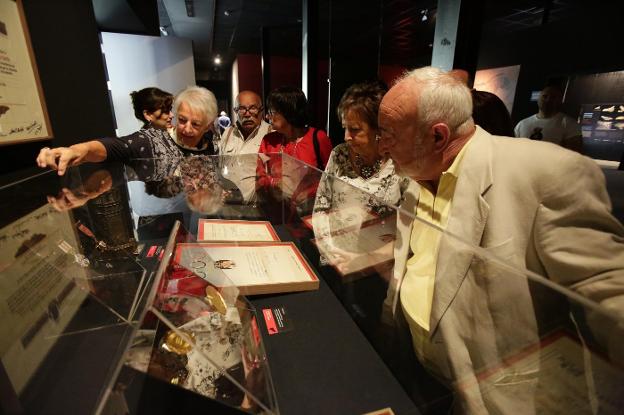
(585, 42)
(65, 43)
(134, 62)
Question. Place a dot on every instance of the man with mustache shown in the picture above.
(245, 135)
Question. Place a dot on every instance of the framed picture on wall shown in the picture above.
(500, 82)
(23, 113)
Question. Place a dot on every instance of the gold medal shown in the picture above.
(176, 344)
(215, 299)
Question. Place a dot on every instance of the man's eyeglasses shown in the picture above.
(252, 109)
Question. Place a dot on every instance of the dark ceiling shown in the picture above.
(505, 17)
(227, 28)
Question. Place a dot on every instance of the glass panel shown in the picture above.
(198, 334)
(148, 278)
(70, 296)
(485, 334)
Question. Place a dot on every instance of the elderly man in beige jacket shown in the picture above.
(474, 198)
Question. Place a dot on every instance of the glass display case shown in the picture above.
(258, 284)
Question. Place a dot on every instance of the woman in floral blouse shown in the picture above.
(359, 183)
(357, 161)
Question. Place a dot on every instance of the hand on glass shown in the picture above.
(60, 158)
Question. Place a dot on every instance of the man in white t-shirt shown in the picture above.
(550, 124)
(245, 135)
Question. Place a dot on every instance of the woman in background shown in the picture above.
(288, 113)
(490, 113)
(152, 106)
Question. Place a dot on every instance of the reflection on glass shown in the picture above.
(502, 339)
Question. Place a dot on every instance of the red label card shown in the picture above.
(152, 251)
(270, 321)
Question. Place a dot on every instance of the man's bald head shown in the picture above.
(248, 96)
(420, 117)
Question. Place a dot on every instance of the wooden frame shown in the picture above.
(23, 112)
(286, 271)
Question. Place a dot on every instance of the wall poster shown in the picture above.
(499, 81)
(23, 113)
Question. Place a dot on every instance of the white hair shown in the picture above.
(200, 100)
(442, 98)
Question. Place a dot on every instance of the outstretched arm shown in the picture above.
(60, 158)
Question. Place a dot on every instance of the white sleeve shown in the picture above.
(518, 129)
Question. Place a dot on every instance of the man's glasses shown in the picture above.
(252, 109)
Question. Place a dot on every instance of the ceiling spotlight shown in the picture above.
(227, 12)
(217, 60)
(424, 16)
(163, 31)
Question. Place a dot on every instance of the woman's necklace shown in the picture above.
(367, 171)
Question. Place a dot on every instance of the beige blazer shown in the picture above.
(519, 207)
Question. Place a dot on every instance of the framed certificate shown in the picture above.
(253, 267)
(235, 230)
(23, 113)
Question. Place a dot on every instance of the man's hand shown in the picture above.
(61, 157)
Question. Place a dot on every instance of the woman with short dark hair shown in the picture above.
(288, 113)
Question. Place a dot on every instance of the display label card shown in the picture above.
(152, 251)
(277, 320)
